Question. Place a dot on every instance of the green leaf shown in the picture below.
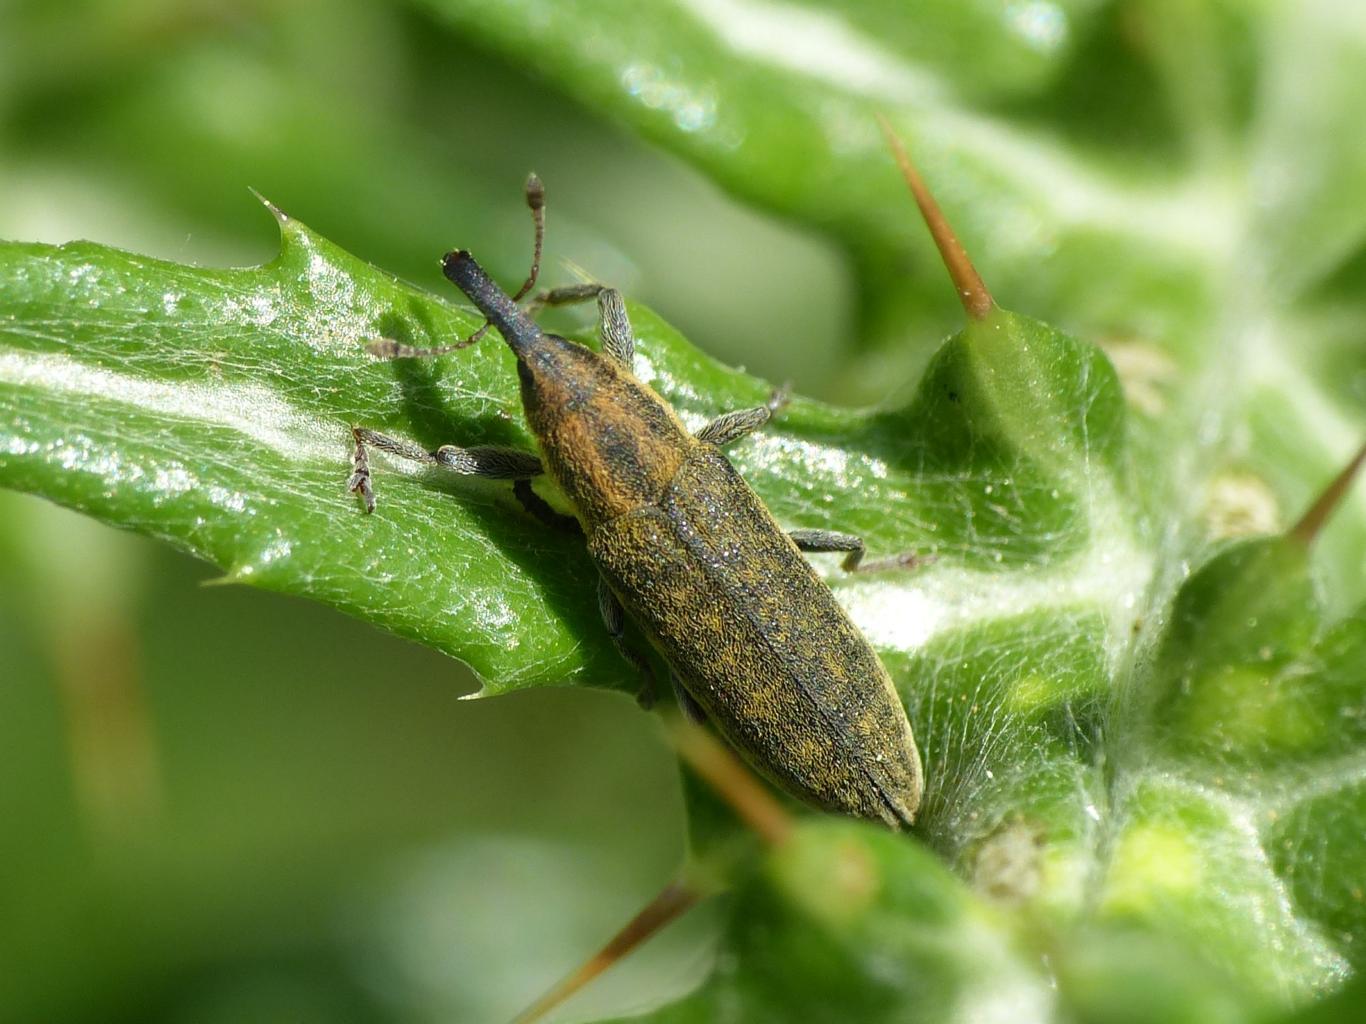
(1072, 209)
(847, 922)
(212, 408)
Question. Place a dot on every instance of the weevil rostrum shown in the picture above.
(755, 642)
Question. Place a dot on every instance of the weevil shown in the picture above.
(755, 642)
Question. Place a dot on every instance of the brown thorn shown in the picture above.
(752, 802)
(732, 780)
(1324, 505)
(672, 902)
(972, 292)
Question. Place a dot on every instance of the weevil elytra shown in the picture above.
(754, 640)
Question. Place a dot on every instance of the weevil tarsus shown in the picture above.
(731, 426)
(779, 397)
(535, 201)
(614, 326)
(359, 481)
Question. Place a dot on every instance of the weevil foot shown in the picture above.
(359, 481)
(490, 461)
(388, 348)
(730, 427)
(359, 484)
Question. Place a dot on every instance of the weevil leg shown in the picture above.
(732, 426)
(359, 481)
(614, 326)
(568, 295)
(690, 708)
(832, 540)
(490, 461)
(614, 618)
(539, 509)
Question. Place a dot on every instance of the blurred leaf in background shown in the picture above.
(1142, 731)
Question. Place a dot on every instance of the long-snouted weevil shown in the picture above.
(755, 642)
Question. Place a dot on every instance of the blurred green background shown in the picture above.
(224, 805)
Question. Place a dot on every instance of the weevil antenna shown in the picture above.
(673, 901)
(386, 348)
(972, 292)
(535, 201)
(1326, 503)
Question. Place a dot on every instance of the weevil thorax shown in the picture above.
(609, 441)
